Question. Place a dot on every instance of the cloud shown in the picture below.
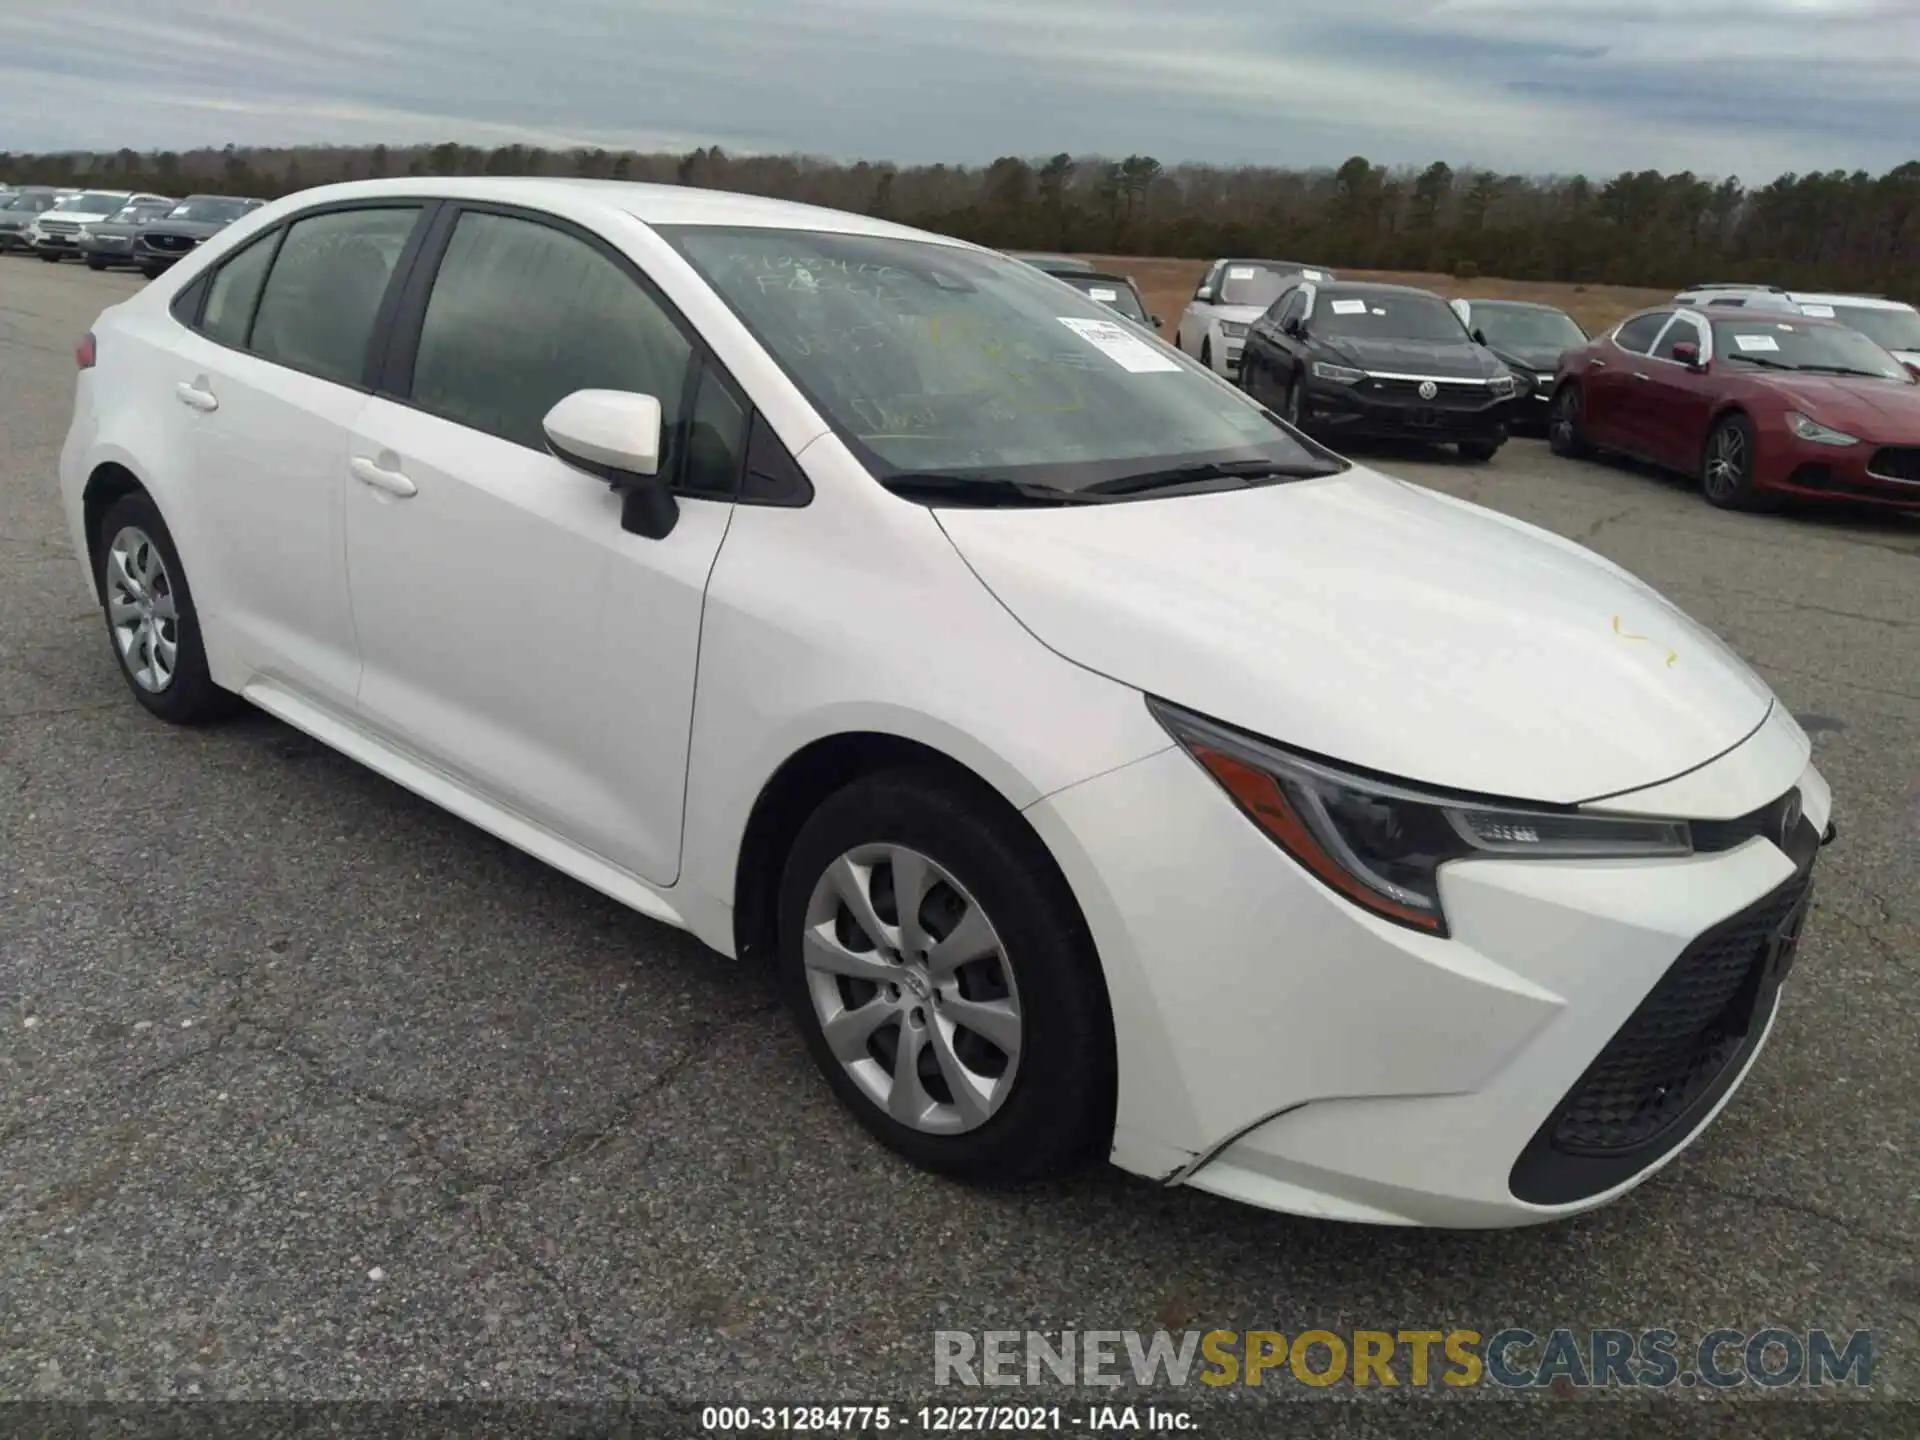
(1753, 87)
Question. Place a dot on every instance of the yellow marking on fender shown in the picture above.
(1673, 656)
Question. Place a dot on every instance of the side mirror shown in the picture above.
(1293, 325)
(1687, 353)
(1913, 368)
(615, 435)
(1479, 337)
(1205, 292)
(1156, 321)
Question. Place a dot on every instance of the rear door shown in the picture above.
(270, 383)
(513, 634)
(1613, 370)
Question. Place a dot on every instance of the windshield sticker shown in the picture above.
(1241, 272)
(1756, 342)
(1111, 339)
(1349, 307)
(1819, 312)
(1313, 274)
(1107, 295)
(1378, 311)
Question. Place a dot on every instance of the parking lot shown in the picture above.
(310, 1090)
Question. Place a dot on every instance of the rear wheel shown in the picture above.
(1727, 468)
(1566, 422)
(150, 617)
(944, 981)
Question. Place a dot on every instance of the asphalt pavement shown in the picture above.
(310, 1091)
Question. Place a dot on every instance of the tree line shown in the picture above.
(1829, 230)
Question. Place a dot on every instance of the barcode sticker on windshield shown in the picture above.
(1241, 272)
(1113, 340)
(1349, 307)
(1819, 312)
(1107, 295)
(1756, 342)
(1313, 274)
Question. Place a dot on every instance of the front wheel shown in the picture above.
(153, 272)
(94, 262)
(944, 981)
(1727, 468)
(1567, 422)
(1478, 451)
(49, 257)
(1206, 352)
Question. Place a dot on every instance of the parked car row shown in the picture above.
(113, 227)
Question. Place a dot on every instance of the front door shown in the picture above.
(1611, 375)
(511, 632)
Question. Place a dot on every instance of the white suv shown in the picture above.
(1234, 294)
(1894, 325)
(55, 236)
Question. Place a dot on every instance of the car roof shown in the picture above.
(1107, 277)
(1373, 287)
(650, 204)
(1862, 302)
(1481, 301)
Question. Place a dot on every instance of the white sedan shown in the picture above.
(1103, 767)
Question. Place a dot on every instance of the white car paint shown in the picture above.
(1203, 328)
(64, 214)
(614, 704)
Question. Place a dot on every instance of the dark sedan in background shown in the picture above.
(1053, 264)
(1349, 360)
(110, 241)
(193, 220)
(1529, 339)
(1116, 292)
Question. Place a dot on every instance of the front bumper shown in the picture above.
(1528, 411)
(1876, 474)
(1279, 1046)
(13, 240)
(1379, 410)
(108, 247)
(63, 243)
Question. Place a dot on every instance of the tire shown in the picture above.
(1567, 422)
(48, 256)
(1047, 1102)
(144, 591)
(95, 263)
(1726, 466)
(153, 272)
(1206, 351)
(1479, 451)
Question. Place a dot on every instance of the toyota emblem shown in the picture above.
(1428, 390)
(1789, 819)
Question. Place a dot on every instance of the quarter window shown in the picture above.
(235, 288)
(1638, 334)
(523, 314)
(323, 295)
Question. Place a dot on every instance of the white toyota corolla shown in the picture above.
(1103, 766)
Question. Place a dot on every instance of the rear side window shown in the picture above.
(1639, 333)
(321, 300)
(235, 288)
(523, 314)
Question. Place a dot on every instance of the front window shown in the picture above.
(1256, 285)
(1110, 293)
(1889, 329)
(208, 210)
(1799, 345)
(949, 364)
(1381, 315)
(95, 202)
(32, 204)
(1524, 328)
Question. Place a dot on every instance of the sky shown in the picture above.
(1753, 88)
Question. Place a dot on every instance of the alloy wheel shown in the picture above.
(1564, 423)
(913, 989)
(1726, 468)
(142, 611)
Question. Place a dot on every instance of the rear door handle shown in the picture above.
(381, 478)
(191, 393)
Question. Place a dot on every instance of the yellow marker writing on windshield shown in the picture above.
(1673, 656)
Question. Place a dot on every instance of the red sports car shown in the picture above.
(1758, 406)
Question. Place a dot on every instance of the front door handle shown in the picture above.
(1596, 364)
(381, 478)
(1641, 375)
(192, 393)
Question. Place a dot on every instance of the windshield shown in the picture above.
(1890, 329)
(1524, 328)
(1259, 285)
(34, 203)
(1110, 293)
(934, 361)
(1799, 345)
(138, 214)
(1386, 315)
(207, 210)
(95, 202)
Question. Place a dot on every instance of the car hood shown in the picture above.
(1416, 357)
(1370, 621)
(1881, 408)
(198, 229)
(78, 217)
(1239, 314)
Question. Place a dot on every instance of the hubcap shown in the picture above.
(913, 989)
(1727, 461)
(140, 607)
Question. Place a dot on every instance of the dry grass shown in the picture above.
(1168, 286)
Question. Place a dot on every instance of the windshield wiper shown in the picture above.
(988, 490)
(1209, 475)
(1848, 370)
(1760, 360)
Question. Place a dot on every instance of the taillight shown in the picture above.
(83, 352)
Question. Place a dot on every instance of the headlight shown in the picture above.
(1503, 385)
(1233, 330)
(1381, 844)
(1544, 380)
(1338, 374)
(1808, 428)
(83, 233)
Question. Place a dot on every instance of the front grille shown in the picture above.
(1896, 462)
(1452, 395)
(171, 244)
(1687, 1031)
(59, 227)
